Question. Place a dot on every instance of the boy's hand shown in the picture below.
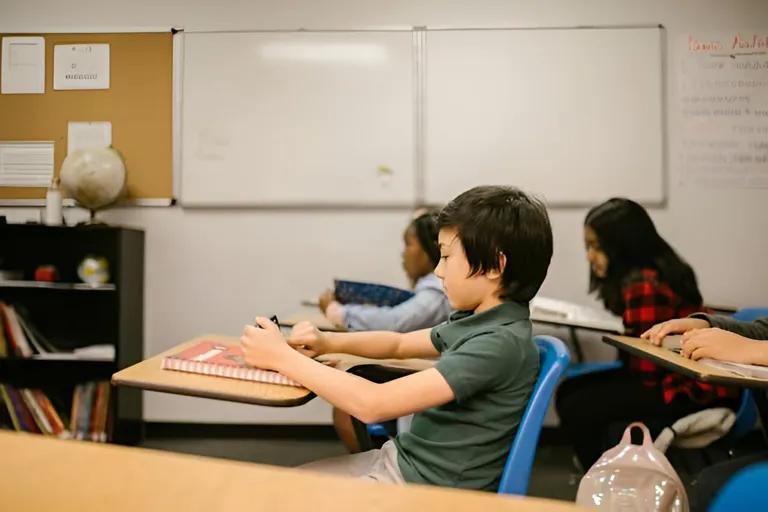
(263, 347)
(656, 334)
(326, 298)
(719, 344)
(307, 339)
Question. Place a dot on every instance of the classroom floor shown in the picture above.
(551, 478)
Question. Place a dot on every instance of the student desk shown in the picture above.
(694, 369)
(313, 316)
(573, 323)
(149, 375)
(51, 474)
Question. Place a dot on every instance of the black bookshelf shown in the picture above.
(73, 315)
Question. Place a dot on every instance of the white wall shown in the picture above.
(212, 270)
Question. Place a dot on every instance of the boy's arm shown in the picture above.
(426, 307)
(373, 344)
(367, 401)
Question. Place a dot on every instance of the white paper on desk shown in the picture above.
(569, 312)
(81, 135)
(23, 68)
(746, 370)
(81, 66)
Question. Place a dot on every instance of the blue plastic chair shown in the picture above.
(750, 314)
(745, 491)
(553, 361)
(746, 416)
(578, 369)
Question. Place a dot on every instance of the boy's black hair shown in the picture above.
(628, 237)
(494, 220)
(425, 227)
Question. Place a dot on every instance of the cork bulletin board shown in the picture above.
(138, 103)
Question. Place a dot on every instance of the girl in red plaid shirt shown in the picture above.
(638, 276)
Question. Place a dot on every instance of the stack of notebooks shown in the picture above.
(359, 292)
(30, 410)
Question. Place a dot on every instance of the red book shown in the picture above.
(220, 360)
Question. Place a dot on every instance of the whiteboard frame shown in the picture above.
(419, 143)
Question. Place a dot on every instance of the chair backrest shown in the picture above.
(745, 491)
(553, 361)
(746, 416)
(750, 314)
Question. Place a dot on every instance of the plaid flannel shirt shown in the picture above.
(648, 301)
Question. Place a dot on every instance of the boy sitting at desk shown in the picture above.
(495, 248)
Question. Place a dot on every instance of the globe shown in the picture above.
(94, 177)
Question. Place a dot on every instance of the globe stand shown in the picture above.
(92, 220)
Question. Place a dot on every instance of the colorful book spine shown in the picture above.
(11, 409)
(37, 413)
(3, 342)
(76, 398)
(57, 426)
(23, 414)
(99, 412)
(22, 345)
(11, 349)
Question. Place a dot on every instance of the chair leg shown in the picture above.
(361, 432)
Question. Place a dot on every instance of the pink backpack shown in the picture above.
(631, 477)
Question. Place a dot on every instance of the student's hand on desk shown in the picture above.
(326, 298)
(308, 339)
(658, 332)
(719, 344)
(263, 347)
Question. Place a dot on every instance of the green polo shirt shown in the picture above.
(491, 363)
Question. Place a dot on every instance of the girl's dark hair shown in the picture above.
(425, 227)
(628, 237)
(495, 220)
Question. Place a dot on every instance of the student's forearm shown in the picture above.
(759, 353)
(347, 392)
(372, 344)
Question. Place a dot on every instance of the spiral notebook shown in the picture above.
(220, 360)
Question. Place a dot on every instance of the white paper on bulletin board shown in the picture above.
(23, 65)
(81, 66)
(723, 90)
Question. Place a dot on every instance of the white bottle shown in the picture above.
(53, 215)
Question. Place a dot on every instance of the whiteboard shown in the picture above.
(297, 118)
(573, 115)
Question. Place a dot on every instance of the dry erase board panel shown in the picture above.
(575, 115)
(138, 104)
(297, 118)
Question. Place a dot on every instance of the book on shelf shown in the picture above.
(90, 411)
(221, 360)
(30, 410)
(360, 292)
(14, 333)
(20, 338)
